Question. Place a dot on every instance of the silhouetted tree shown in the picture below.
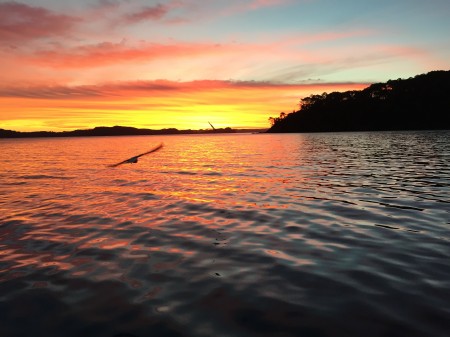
(416, 103)
(275, 120)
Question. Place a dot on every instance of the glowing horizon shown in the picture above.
(186, 105)
(181, 63)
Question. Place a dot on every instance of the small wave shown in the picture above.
(189, 173)
(43, 176)
(394, 205)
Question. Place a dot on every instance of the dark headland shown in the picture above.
(418, 103)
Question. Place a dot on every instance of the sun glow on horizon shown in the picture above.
(179, 105)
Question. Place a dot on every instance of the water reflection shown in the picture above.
(227, 235)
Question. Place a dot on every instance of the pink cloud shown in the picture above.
(156, 12)
(108, 53)
(286, 60)
(118, 13)
(19, 22)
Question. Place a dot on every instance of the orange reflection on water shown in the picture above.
(114, 244)
(89, 219)
(297, 260)
(186, 195)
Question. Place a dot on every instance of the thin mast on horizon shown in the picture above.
(212, 126)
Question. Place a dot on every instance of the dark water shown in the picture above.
(226, 235)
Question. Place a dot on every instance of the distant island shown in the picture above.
(418, 103)
(116, 131)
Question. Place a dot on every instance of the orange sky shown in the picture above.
(182, 63)
(155, 105)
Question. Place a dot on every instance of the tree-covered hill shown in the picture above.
(418, 103)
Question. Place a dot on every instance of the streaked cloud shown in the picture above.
(287, 49)
(160, 87)
(105, 53)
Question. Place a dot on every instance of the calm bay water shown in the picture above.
(343, 234)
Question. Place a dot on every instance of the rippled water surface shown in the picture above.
(343, 234)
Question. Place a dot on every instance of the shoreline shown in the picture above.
(106, 131)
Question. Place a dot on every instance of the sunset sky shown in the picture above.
(68, 65)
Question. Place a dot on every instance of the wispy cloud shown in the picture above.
(92, 55)
(106, 53)
(156, 12)
(125, 13)
(158, 87)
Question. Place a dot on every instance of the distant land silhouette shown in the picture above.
(418, 103)
(117, 131)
